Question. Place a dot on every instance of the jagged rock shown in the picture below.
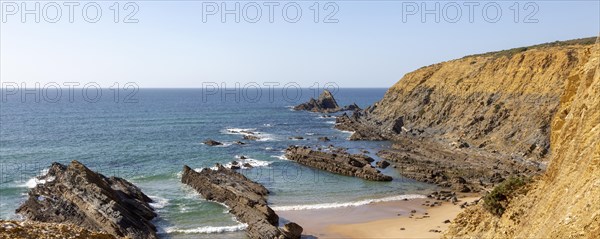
(245, 198)
(352, 107)
(297, 138)
(355, 165)
(360, 131)
(211, 142)
(382, 164)
(325, 104)
(74, 194)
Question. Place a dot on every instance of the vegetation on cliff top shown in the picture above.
(511, 52)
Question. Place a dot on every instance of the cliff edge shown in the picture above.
(563, 202)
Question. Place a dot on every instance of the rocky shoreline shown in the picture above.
(245, 199)
(420, 156)
(339, 162)
(41, 230)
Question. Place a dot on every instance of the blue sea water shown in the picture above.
(147, 139)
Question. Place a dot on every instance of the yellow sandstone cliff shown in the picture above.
(500, 102)
(564, 202)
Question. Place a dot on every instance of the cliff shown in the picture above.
(500, 102)
(563, 202)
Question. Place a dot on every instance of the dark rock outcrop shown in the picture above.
(343, 163)
(245, 198)
(76, 195)
(382, 164)
(325, 104)
(211, 142)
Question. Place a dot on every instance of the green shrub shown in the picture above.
(497, 200)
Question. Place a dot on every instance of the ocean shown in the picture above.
(147, 137)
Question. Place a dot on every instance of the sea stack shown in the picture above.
(325, 104)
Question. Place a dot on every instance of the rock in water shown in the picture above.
(245, 198)
(325, 104)
(343, 163)
(79, 196)
(211, 142)
(382, 164)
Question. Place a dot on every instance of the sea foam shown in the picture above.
(208, 229)
(159, 202)
(38, 179)
(346, 204)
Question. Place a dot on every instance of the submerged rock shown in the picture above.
(76, 195)
(343, 163)
(251, 137)
(245, 199)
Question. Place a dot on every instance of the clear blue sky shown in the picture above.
(171, 46)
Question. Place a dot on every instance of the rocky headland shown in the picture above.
(325, 104)
(76, 195)
(479, 119)
(245, 199)
(340, 162)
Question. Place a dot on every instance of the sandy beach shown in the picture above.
(398, 219)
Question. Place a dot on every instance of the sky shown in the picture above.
(185, 44)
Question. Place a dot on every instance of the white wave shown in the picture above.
(241, 162)
(249, 131)
(267, 125)
(268, 148)
(346, 204)
(310, 134)
(281, 157)
(253, 163)
(159, 202)
(240, 131)
(40, 178)
(346, 131)
(208, 229)
(330, 122)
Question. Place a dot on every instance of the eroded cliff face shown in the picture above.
(497, 102)
(563, 202)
